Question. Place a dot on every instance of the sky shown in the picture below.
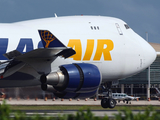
(141, 15)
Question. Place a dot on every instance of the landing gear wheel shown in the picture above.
(107, 101)
(104, 103)
(111, 103)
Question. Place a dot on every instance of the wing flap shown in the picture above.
(12, 54)
(66, 53)
(45, 53)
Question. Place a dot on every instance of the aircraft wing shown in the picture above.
(118, 98)
(40, 58)
(129, 98)
(46, 53)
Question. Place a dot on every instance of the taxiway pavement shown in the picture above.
(74, 102)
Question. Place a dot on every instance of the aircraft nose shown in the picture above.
(149, 54)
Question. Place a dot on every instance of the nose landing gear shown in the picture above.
(108, 101)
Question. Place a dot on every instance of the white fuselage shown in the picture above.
(123, 96)
(128, 55)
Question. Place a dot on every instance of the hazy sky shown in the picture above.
(141, 15)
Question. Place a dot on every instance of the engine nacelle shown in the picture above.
(74, 78)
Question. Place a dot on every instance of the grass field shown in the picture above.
(13, 112)
(65, 107)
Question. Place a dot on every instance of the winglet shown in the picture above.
(49, 40)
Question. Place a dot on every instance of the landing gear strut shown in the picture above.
(108, 101)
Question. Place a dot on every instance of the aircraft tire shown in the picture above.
(104, 103)
(111, 103)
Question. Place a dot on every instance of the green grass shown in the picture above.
(65, 107)
(125, 114)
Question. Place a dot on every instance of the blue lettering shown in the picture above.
(25, 45)
(3, 47)
(40, 45)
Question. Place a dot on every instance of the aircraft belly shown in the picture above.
(26, 76)
(18, 83)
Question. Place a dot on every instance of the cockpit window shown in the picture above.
(126, 26)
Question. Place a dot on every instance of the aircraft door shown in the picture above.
(119, 29)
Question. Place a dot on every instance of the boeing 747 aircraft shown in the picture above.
(71, 56)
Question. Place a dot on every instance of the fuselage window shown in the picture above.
(95, 27)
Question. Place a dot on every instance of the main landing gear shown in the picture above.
(108, 101)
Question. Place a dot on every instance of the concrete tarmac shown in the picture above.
(101, 113)
(74, 102)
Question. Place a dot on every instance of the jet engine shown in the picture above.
(73, 80)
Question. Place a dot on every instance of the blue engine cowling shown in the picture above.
(81, 78)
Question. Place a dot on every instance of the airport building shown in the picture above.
(136, 85)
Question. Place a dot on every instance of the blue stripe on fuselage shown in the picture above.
(24, 42)
(3, 47)
(21, 46)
